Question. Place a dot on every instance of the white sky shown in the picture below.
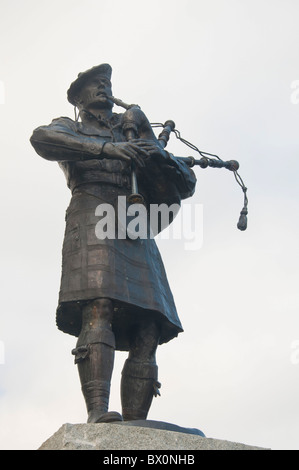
(222, 70)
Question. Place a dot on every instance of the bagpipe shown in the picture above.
(206, 160)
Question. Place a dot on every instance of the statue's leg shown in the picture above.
(140, 373)
(94, 356)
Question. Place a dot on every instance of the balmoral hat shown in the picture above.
(74, 89)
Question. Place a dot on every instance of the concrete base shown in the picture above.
(115, 436)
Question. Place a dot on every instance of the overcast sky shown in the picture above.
(223, 70)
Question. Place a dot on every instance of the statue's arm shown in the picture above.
(60, 142)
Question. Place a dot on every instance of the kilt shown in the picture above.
(129, 272)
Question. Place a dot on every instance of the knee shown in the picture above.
(98, 314)
(97, 318)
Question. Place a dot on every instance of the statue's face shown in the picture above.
(95, 92)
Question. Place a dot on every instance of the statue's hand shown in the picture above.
(127, 151)
(153, 150)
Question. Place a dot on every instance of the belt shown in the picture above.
(116, 179)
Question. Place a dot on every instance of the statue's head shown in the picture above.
(91, 88)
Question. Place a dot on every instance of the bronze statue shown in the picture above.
(114, 293)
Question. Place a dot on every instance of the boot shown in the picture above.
(95, 364)
(138, 386)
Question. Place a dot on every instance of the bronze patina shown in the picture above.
(114, 293)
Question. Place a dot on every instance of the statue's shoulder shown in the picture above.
(64, 120)
(64, 124)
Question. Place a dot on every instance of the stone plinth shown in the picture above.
(114, 436)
